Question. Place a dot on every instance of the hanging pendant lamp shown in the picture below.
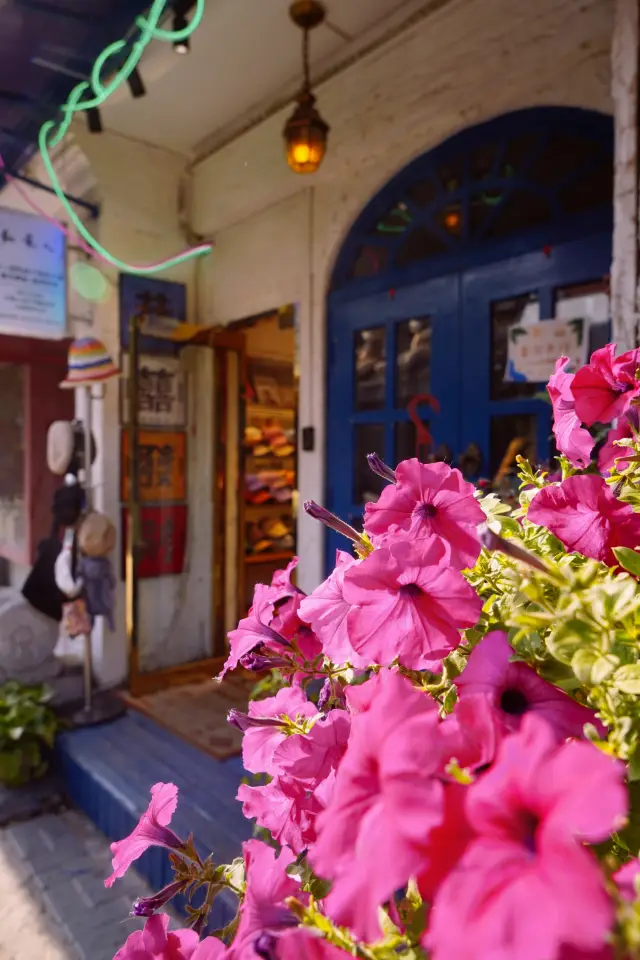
(305, 132)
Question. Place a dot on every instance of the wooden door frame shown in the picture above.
(223, 343)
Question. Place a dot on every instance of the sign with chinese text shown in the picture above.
(162, 392)
(163, 535)
(146, 297)
(162, 466)
(33, 288)
(535, 347)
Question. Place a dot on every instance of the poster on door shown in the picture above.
(33, 286)
(535, 347)
(162, 392)
(162, 466)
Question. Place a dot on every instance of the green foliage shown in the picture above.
(27, 732)
(268, 686)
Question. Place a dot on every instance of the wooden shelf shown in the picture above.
(272, 413)
(282, 507)
(256, 558)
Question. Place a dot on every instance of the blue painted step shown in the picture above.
(109, 771)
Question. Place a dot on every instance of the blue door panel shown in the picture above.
(541, 273)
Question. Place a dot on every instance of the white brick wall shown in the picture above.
(277, 234)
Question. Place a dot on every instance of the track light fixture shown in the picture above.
(94, 121)
(180, 22)
(136, 85)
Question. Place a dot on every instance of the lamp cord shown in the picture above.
(305, 60)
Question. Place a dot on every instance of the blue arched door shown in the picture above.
(507, 222)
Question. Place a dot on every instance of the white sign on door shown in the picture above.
(33, 289)
(534, 348)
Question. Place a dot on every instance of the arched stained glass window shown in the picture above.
(528, 174)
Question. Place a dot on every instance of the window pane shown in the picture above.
(12, 456)
(368, 438)
(406, 447)
(505, 431)
(420, 245)
(413, 353)
(394, 221)
(521, 210)
(506, 315)
(593, 189)
(369, 261)
(588, 302)
(370, 358)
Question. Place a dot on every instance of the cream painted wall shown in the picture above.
(277, 235)
(138, 188)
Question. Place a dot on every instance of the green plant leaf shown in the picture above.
(628, 559)
(627, 679)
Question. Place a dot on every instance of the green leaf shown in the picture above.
(566, 640)
(629, 559)
(627, 679)
(582, 664)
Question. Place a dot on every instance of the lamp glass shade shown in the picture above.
(305, 136)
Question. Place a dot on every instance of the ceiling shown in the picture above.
(46, 46)
(245, 58)
(245, 61)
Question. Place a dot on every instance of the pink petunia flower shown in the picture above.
(326, 611)
(152, 830)
(584, 515)
(263, 732)
(527, 887)
(286, 808)
(626, 879)
(515, 690)
(429, 500)
(612, 451)
(311, 757)
(157, 942)
(388, 797)
(263, 909)
(572, 439)
(604, 388)
(255, 630)
(409, 604)
(301, 944)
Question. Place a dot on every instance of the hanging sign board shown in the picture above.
(535, 347)
(33, 291)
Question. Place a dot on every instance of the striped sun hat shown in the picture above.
(89, 362)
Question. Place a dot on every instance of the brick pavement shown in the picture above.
(53, 902)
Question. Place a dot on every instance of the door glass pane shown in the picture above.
(368, 438)
(406, 447)
(588, 302)
(370, 357)
(511, 435)
(413, 359)
(506, 317)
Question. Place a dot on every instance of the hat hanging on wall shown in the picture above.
(96, 535)
(89, 362)
(65, 447)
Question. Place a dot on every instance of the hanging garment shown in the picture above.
(99, 586)
(40, 589)
(64, 568)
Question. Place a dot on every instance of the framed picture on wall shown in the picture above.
(162, 466)
(150, 298)
(162, 392)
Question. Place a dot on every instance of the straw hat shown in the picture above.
(60, 447)
(96, 535)
(89, 362)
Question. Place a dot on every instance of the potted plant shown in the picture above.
(28, 728)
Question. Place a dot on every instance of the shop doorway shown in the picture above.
(505, 223)
(267, 458)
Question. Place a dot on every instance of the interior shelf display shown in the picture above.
(269, 483)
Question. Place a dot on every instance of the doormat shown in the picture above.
(198, 712)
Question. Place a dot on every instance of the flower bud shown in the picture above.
(333, 523)
(380, 468)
